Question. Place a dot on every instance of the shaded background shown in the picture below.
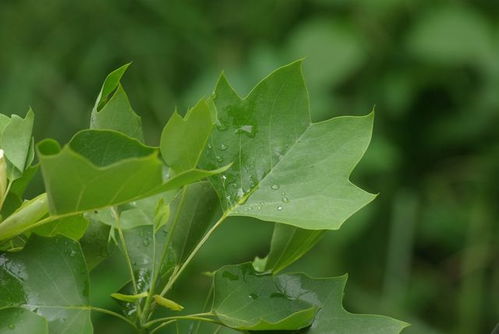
(426, 250)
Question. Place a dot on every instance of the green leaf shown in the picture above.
(21, 321)
(289, 244)
(72, 227)
(16, 141)
(168, 303)
(245, 300)
(48, 277)
(183, 139)
(129, 298)
(241, 288)
(24, 218)
(95, 243)
(101, 168)
(112, 109)
(285, 168)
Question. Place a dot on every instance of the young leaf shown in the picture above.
(183, 139)
(168, 303)
(285, 168)
(129, 298)
(16, 141)
(24, 218)
(113, 111)
(48, 277)
(288, 244)
(245, 300)
(17, 320)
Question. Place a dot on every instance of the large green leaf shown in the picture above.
(48, 277)
(241, 287)
(245, 300)
(17, 320)
(98, 168)
(288, 244)
(183, 139)
(101, 168)
(112, 109)
(17, 142)
(285, 168)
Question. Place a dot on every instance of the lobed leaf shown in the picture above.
(285, 168)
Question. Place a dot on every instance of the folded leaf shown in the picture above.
(48, 277)
(101, 168)
(285, 168)
(112, 109)
(288, 244)
(17, 142)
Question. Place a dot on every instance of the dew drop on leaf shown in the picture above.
(219, 158)
(223, 147)
(253, 296)
(279, 208)
(274, 187)
(285, 199)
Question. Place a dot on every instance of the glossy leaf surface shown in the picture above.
(17, 320)
(49, 277)
(245, 300)
(285, 168)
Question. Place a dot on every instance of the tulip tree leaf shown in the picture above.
(49, 277)
(17, 142)
(100, 168)
(245, 300)
(17, 320)
(238, 290)
(288, 244)
(112, 109)
(285, 168)
(183, 139)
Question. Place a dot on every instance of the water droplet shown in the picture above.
(247, 130)
(72, 253)
(274, 187)
(285, 199)
(221, 127)
(210, 146)
(219, 158)
(223, 147)
(253, 296)
(279, 208)
(12, 326)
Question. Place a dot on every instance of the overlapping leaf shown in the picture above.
(243, 296)
(285, 168)
(48, 277)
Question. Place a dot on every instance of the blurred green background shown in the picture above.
(426, 251)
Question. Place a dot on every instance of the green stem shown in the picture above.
(114, 314)
(197, 316)
(127, 256)
(196, 249)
